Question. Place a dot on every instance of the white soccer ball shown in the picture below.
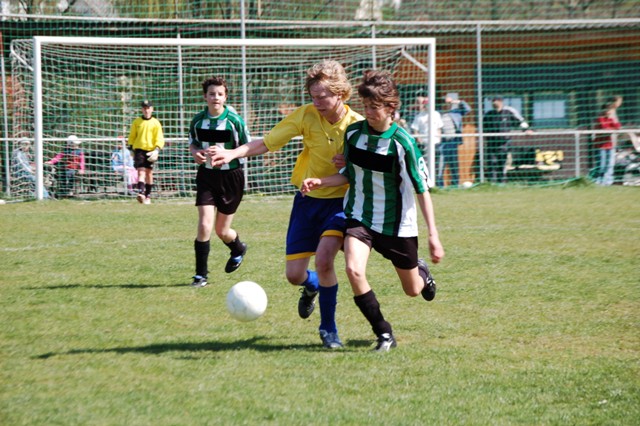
(467, 184)
(246, 301)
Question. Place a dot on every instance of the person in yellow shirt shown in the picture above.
(317, 221)
(146, 139)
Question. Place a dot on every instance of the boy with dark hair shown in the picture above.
(384, 167)
(218, 187)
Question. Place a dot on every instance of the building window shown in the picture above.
(550, 111)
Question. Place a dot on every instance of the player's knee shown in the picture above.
(411, 292)
(295, 277)
(222, 233)
(324, 264)
(413, 289)
(204, 232)
(354, 274)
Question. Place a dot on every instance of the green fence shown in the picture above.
(556, 73)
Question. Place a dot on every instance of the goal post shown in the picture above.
(77, 76)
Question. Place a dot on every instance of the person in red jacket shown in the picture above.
(606, 143)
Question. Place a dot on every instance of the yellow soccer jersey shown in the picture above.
(321, 142)
(146, 134)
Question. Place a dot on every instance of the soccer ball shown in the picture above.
(467, 184)
(246, 301)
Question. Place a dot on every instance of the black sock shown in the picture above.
(235, 246)
(202, 256)
(370, 308)
(147, 189)
(140, 187)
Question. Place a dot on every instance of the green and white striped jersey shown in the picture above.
(383, 171)
(228, 131)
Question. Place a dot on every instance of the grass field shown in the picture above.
(536, 322)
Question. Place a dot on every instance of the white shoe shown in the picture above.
(147, 200)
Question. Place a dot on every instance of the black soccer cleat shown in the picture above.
(307, 303)
(234, 262)
(386, 341)
(199, 281)
(429, 290)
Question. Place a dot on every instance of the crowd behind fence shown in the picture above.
(539, 158)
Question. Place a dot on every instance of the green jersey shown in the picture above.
(227, 130)
(383, 171)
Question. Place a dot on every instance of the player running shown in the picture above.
(217, 187)
(384, 166)
(316, 224)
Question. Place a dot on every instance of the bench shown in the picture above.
(531, 164)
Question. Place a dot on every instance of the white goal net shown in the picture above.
(92, 88)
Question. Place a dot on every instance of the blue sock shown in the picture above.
(328, 299)
(311, 283)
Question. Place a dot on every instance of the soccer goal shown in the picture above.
(92, 88)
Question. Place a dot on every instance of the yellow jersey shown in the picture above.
(321, 141)
(146, 134)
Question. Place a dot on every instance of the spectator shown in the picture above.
(501, 119)
(420, 124)
(72, 158)
(122, 164)
(454, 110)
(22, 167)
(606, 143)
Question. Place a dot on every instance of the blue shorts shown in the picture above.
(311, 219)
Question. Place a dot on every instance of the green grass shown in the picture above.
(536, 321)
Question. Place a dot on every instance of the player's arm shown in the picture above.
(159, 139)
(426, 207)
(310, 184)
(222, 156)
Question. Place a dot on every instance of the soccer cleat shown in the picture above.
(147, 200)
(330, 340)
(386, 341)
(429, 290)
(199, 281)
(234, 262)
(307, 303)
(140, 197)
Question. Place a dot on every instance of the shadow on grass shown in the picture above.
(258, 343)
(104, 286)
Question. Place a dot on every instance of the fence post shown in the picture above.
(576, 136)
(480, 107)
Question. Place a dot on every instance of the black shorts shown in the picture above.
(140, 159)
(401, 251)
(220, 188)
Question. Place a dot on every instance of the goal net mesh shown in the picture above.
(95, 91)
